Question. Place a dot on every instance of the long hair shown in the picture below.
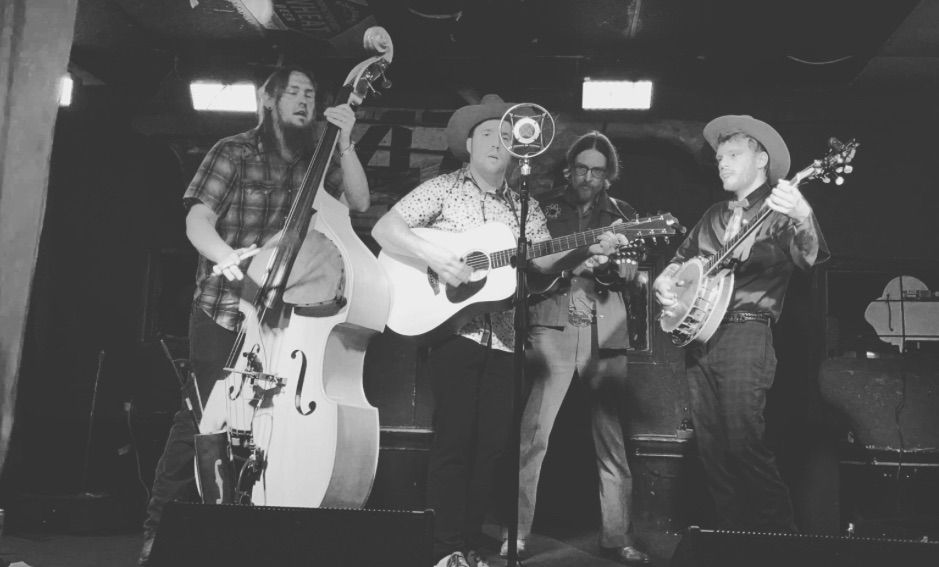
(595, 140)
(274, 87)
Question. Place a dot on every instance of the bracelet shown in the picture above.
(349, 147)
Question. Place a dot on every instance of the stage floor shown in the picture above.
(55, 550)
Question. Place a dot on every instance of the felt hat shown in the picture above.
(465, 119)
(779, 160)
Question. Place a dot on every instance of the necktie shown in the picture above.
(733, 225)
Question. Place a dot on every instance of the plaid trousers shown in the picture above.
(728, 378)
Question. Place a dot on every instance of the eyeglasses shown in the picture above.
(582, 170)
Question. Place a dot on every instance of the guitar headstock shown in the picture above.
(362, 77)
(651, 229)
(832, 167)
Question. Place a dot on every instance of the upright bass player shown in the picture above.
(238, 200)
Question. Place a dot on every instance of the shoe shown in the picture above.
(455, 559)
(144, 558)
(473, 559)
(519, 548)
(628, 555)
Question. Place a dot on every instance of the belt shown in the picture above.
(744, 316)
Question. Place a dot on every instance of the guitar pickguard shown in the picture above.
(465, 291)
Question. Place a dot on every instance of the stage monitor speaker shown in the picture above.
(208, 535)
(718, 548)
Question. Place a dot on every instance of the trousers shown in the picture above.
(556, 355)
(728, 378)
(209, 347)
(472, 386)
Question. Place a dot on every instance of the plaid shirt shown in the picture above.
(251, 190)
(455, 203)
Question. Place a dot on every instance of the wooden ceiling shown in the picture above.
(447, 50)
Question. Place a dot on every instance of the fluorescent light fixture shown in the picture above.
(616, 95)
(66, 84)
(221, 97)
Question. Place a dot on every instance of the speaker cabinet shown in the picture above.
(718, 548)
(208, 535)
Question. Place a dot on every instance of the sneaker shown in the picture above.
(628, 555)
(455, 559)
(519, 548)
(474, 560)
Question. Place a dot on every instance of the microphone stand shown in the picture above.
(531, 126)
(521, 334)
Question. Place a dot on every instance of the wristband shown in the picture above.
(349, 147)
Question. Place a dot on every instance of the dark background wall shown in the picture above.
(114, 271)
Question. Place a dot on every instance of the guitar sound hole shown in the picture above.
(479, 262)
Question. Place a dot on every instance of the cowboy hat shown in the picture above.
(465, 119)
(779, 160)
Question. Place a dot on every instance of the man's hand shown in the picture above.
(625, 266)
(344, 118)
(229, 266)
(590, 264)
(788, 200)
(450, 267)
(606, 244)
(664, 287)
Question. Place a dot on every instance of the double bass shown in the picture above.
(291, 408)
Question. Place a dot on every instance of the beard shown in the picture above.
(585, 191)
(298, 139)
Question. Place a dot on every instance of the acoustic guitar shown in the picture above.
(421, 302)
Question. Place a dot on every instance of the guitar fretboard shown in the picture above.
(578, 239)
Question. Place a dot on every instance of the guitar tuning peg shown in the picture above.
(848, 168)
(839, 180)
(385, 82)
(826, 179)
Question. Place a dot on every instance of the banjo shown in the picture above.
(705, 284)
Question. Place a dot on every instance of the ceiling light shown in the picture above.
(221, 97)
(616, 95)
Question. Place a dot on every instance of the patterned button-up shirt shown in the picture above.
(780, 244)
(251, 190)
(455, 203)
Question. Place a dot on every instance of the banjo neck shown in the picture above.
(717, 261)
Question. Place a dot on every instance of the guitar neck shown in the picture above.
(561, 243)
